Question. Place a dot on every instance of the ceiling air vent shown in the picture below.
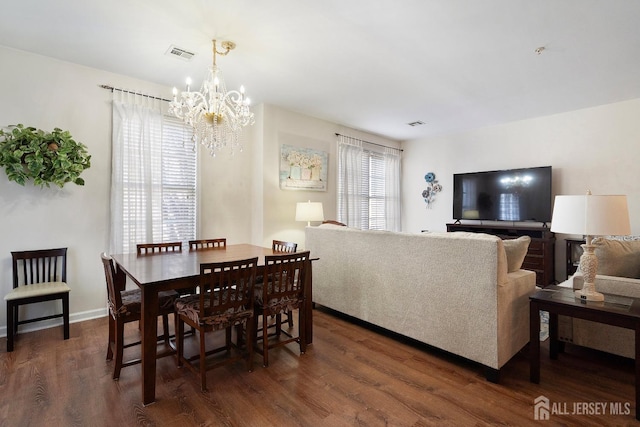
(183, 54)
(416, 123)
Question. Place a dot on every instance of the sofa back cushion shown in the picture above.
(516, 250)
(618, 257)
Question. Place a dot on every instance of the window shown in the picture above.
(368, 186)
(372, 190)
(154, 179)
(179, 201)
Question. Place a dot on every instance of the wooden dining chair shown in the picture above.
(284, 247)
(283, 291)
(153, 248)
(196, 245)
(225, 300)
(334, 222)
(125, 307)
(280, 246)
(38, 275)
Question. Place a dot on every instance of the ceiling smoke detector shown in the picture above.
(416, 123)
(183, 54)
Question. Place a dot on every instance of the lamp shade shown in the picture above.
(591, 215)
(309, 211)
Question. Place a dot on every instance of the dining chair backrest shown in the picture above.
(39, 266)
(196, 245)
(153, 248)
(116, 281)
(284, 277)
(284, 247)
(228, 286)
(38, 275)
(334, 222)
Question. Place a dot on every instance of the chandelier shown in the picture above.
(216, 115)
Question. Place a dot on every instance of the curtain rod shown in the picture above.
(111, 88)
(372, 143)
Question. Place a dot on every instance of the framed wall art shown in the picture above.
(303, 169)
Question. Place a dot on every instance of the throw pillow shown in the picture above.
(618, 257)
(516, 250)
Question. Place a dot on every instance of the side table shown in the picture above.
(615, 310)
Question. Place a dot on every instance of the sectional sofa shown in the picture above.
(458, 292)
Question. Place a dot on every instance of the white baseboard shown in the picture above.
(45, 324)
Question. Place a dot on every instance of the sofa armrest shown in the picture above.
(616, 285)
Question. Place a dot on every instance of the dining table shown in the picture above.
(157, 272)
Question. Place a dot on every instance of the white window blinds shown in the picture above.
(368, 185)
(153, 195)
(179, 205)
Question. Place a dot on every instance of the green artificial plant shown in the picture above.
(46, 157)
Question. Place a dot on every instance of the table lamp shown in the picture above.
(308, 211)
(590, 216)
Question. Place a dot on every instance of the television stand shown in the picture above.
(540, 257)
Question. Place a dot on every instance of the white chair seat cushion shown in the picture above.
(36, 290)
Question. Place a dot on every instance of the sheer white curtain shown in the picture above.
(136, 190)
(350, 196)
(392, 188)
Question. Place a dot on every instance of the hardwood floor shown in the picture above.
(351, 375)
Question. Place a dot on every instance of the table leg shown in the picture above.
(637, 363)
(554, 344)
(149, 326)
(534, 343)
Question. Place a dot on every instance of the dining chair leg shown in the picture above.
(254, 336)
(165, 328)
(290, 319)
(16, 315)
(249, 328)
(10, 325)
(179, 326)
(65, 315)
(302, 336)
(265, 341)
(112, 333)
(203, 363)
(278, 324)
(228, 339)
(119, 340)
(239, 335)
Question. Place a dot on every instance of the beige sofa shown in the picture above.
(452, 291)
(618, 274)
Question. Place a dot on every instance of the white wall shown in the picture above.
(596, 148)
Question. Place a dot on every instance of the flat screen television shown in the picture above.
(505, 195)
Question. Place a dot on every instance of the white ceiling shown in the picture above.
(369, 64)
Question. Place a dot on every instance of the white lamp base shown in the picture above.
(589, 267)
(589, 294)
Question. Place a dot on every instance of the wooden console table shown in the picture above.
(615, 310)
(541, 254)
